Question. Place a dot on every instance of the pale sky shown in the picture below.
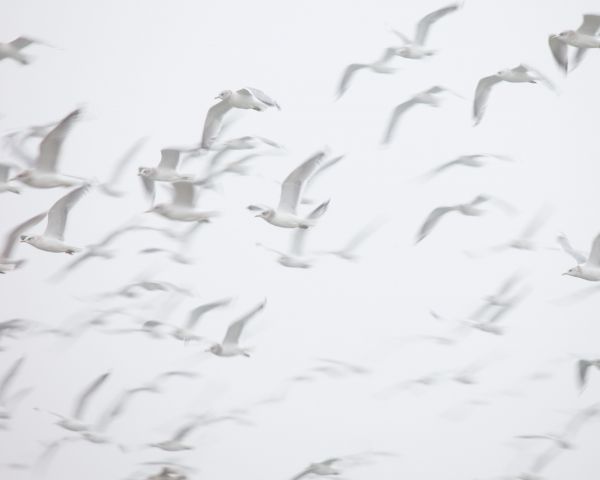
(152, 69)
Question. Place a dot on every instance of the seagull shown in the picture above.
(109, 187)
(522, 73)
(182, 207)
(75, 422)
(378, 66)
(230, 346)
(585, 37)
(245, 98)
(469, 209)
(6, 263)
(184, 244)
(415, 49)
(52, 239)
(428, 97)
(324, 467)
(13, 49)
(476, 160)
(285, 215)
(348, 251)
(590, 268)
(186, 333)
(296, 257)
(5, 186)
(166, 171)
(44, 174)
(175, 444)
(583, 367)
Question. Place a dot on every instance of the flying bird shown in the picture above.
(110, 186)
(52, 239)
(230, 347)
(286, 215)
(13, 50)
(584, 38)
(476, 160)
(166, 171)
(590, 268)
(5, 185)
(245, 98)
(520, 74)
(182, 207)
(430, 97)
(324, 467)
(44, 174)
(415, 48)
(583, 367)
(469, 209)
(186, 332)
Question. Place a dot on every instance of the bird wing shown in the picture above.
(589, 26)
(559, 52)
(197, 312)
(431, 221)
(125, 159)
(583, 367)
(299, 234)
(184, 194)
(594, 258)
(4, 169)
(213, 123)
(482, 93)
(428, 20)
(169, 158)
(362, 235)
(262, 96)
(291, 189)
(185, 430)
(347, 76)
(57, 215)
(9, 377)
(21, 42)
(395, 116)
(235, 329)
(565, 244)
(52, 142)
(15, 233)
(87, 393)
(302, 474)
(579, 419)
(544, 80)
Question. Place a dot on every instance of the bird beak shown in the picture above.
(217, 97)
(566, 273)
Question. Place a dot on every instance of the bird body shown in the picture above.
(182, 207)
(13, 49)
(590, 269)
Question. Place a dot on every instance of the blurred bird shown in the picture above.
(583, 367)
(477, 160)
(110, 186)
(520, 74)
(13, 50)
(182, 206)
(5, 185)
(52, 239)
(6, 263)
(584, 38)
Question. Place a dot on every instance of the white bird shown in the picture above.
(522, 73)
(245, 98)
(286, 215)
(52, 239)
(469, 209)
(75, 422)
(476, 160)
(297, 257)
(381, 65)
(429, 97)
(5, 185)
(44, 174)
(230, 347)
(166, 171)
(584, 38)
(415, 48)
(6, 263)
(13, 49)
(590, 268)
(186, 332)
(324, 467)
(182, 208)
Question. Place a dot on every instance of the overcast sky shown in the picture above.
(152, 69)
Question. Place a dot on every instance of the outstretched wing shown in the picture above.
(292, 186)
(428, 20)
(197, 312)
(431, 221)
(395, 117)
(9, 377)
(213, 123)
(235, 329)
(262, 96)
(15, 233)
(84, 398)
(482, 93)
(594, 258)
(169, 158)
(559, 52)
(347, 76)
(57, 215)
(589, 26)
(52, 143)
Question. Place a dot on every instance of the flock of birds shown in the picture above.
(295, 210)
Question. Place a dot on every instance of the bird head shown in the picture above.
(261, 210)
(144, 171)
(574, 272)
(216, 349)
(27, 238)
(224, 95)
